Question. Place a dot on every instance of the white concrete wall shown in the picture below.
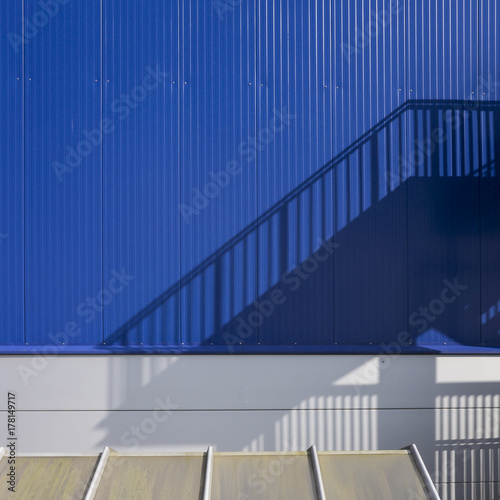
(448, 405)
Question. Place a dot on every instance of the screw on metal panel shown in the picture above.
(185, 83)
(473, 92)
(327, 87)
(399, 90)
(337, 87)
(18, 78)
(261, 84)
(249, 83)
(173, 82)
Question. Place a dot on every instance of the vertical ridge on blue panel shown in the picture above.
(12, 173)
(294, 71)
(218, 173)
(370, 261)
(101, 39)
(141, 219)
(443, 195)
(63, 175)
(488, 90)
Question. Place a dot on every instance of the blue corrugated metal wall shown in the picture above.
(11, 179)
(249, 176)
(62, 221)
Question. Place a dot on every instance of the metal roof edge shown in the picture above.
(99, 471)
(422, 469)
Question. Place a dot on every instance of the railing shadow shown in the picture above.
(361, 193)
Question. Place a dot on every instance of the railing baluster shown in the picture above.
(348, 189)
(283, 240)
(311, 219)
(361, 170)
(203, 298)
(402, 161)
(374, 174)
(217, 297)
(496, 123)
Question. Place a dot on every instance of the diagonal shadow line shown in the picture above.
(420, 104)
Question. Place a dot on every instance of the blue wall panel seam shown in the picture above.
(478, 71)
(25, 334)
(332, 97)
(406, 33)
(180, 12)
(257, 100)
(102, 162)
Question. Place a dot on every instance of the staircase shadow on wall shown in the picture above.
(394, 231)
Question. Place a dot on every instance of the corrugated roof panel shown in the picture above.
(269, 475)
(152, 477)
(301, 475)
(48, 477)
(371, 476)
